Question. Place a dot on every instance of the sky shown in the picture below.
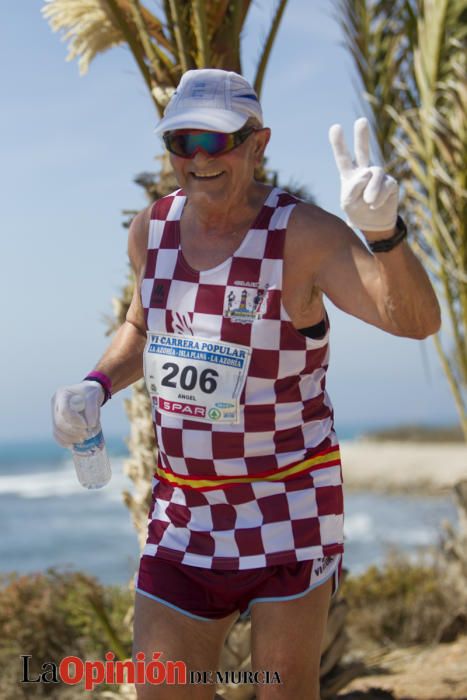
(71, 147)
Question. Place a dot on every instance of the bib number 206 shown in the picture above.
(188, 378)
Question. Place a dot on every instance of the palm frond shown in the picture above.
(121, 19)
(86, 26)
(155, 28)
(145, 39)
(410, 57)
(269, 43)
(200, 31)
(179, 29)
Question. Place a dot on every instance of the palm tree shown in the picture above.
(188, 34)
(191, 34)
(410, 58)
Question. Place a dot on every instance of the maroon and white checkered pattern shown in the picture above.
(286, 415)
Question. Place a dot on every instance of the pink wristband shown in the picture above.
(104, 381)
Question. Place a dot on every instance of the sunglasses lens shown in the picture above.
(210, 141)
(175, 143)
(186, 143)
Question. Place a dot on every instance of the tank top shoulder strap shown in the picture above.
(284, 203)
(168, 206)
(164, 211)
(272, 220)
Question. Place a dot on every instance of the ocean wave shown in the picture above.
(61, 481)
(359, 526)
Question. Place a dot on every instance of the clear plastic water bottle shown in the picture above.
(90, 457)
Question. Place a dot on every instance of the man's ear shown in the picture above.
(261, 143)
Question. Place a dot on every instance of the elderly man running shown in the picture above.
(228, 324)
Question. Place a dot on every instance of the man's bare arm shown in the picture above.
(393, 287)
(123, 359)
(389, 290)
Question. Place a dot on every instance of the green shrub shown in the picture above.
(401, 603)
(54, 614)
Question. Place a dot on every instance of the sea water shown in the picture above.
(47, 519)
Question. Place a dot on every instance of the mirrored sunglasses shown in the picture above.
(185, 143)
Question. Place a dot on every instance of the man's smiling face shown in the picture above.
(224, 177)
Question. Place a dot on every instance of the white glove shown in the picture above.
(369, 197)
(76, 409)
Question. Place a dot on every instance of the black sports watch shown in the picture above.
(389, 243)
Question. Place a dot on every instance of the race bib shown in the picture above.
(195, 378)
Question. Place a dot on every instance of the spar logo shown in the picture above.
(184, 409)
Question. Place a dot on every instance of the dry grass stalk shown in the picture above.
(411, 60)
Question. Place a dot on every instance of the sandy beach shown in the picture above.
(424, 467)
(430, 671)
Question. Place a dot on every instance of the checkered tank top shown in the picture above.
(248, 471)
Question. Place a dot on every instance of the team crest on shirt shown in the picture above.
(245, 302)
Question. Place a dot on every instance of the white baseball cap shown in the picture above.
(211, 99)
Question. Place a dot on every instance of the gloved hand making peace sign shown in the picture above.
(369, 196)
